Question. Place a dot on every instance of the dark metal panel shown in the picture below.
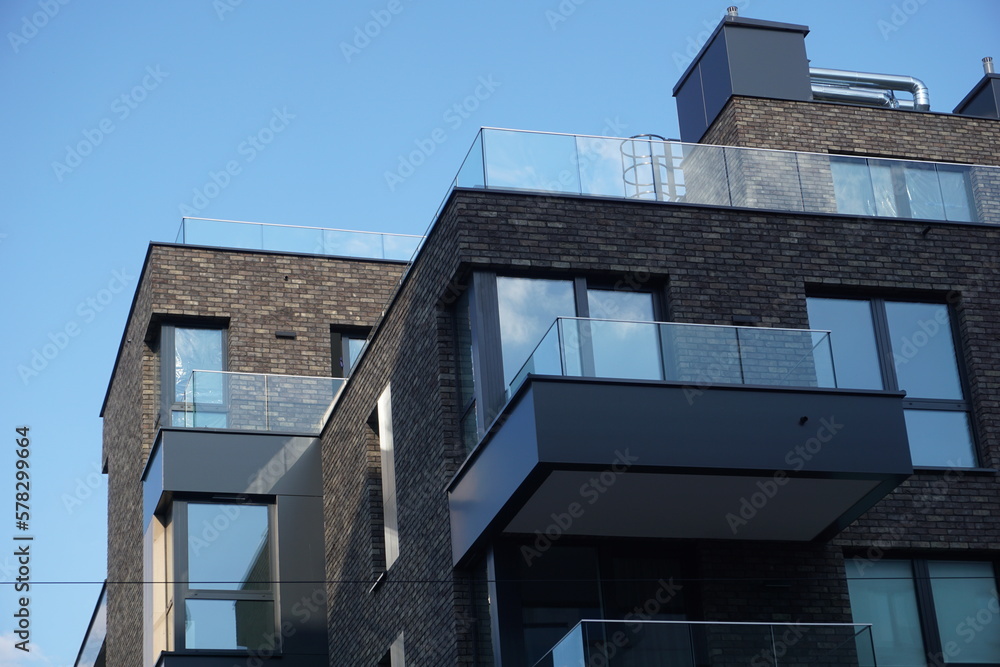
(691, 108)
(768, 63)
(194, 659)
(489, 481)
(228, 462)
(301, 575)
(740, 428)
(983, 101)
(716, 75)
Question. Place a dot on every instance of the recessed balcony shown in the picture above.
(259, 402)
(708, 644)
(666, 430)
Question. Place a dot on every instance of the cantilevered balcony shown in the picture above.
(294, 239)
(649, 168)
(647, 429)
(707, 644)
(256, 402)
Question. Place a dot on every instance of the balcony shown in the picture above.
(707, 644)
(648, 168)
(666, 430)
(92, 649)
(256, 402)
(306, 240)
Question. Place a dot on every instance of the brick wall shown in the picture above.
(715, 263)
(258, 293)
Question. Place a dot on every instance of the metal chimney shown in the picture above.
(733, 10)
(988, 65)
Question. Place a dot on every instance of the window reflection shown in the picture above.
(228, 547)
(624, 349)
(853, 340)
(229, 624)
(882, 593)
(923, 350)
(528, 307)
(896, 188)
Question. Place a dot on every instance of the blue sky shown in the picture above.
(121, 116)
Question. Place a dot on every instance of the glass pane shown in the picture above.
(940, 438)
(955, 192)
(882, 593)
(779, 357)
(855, 356)
(350, 244)
(624, 349)
(923, 350)
(228, 547)
(600, 165)
(531, 161)
(197, 349)
(354, 346)
(470, 175)
(528, 307)
(701, 354)
(852, 185)
(883, 188)
(965, 602)
(229, 624)
(470, 429)
(292, 239)
(924, 191)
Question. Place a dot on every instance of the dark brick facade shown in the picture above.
(712, 264)
(258, 294)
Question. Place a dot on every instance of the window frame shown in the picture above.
(168, 367)
(489, 388)
(934, 649)
(340, 338)
(887, 365)
(181, 590)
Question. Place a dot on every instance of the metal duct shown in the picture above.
(857, 86)
(880, 98)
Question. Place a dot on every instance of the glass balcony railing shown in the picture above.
(668, 171)
(699, 354)
(256, 402)
(706, 644)
(308, 240)
(92, 649)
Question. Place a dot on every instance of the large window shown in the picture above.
(228, 591)
(909, 346)
(927, 612)
(901, 189)
(501, 319)
(183, 350)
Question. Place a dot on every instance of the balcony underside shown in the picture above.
(665, 460)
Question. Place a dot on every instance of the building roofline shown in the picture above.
(164, 244)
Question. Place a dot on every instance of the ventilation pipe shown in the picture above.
(867, 88)
(988, 65)
(733, 10)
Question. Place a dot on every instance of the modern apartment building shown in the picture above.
(728, 400)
